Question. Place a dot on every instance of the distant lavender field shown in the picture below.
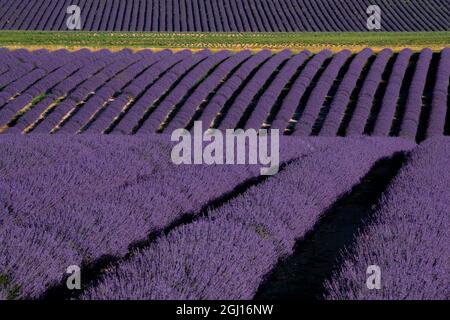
(69, 200)
(225, 15)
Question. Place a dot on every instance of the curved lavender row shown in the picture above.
(207, 251)
(3, 69)
(439, 102)
(49, 83)
(106, 92)
(253, 16)
(135, 90)
(227, 255)
(270, 96)
(60, 91)
(8, 58)
(230, 86)
(366, 96)
(278, 21)
(185, 114)
(292, 100)
(70, 103)
(320, 91)
(408, 238)
(414, 101)
(156, 91)
(385, 118)
(196, 75)
(342, 97)
(431, 14)
(3, 294)
(248, 93)
(22, 247)
(74, 199)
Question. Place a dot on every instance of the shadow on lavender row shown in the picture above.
(302, 275)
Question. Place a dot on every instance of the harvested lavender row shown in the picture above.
(439, 103)
(408, 237)
(248, 93)
(384, 120)
(317, 97)
(413, 108)
(69, 200)
(343, 94)
(227, 254)
(269, 97)
(367, 94)
(292, 100)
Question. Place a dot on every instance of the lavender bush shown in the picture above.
(439, 103)
(146, 92)
(298, 88)
(385, 117)
(413, 108)
(367, 94)
(408, 238)
(226, 91)
(183, 116)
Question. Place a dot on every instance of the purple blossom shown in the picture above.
(413, 108)
(385, 118)
(366, 96)
(227, 254)
(317, 97)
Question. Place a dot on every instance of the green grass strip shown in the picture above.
(233, 41)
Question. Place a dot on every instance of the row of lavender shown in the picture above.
(409, 237)
(225, 15)
(302, 94)
(69, 200)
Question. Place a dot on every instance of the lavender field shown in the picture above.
(225, 15)
(123, 172)
(401, 94)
